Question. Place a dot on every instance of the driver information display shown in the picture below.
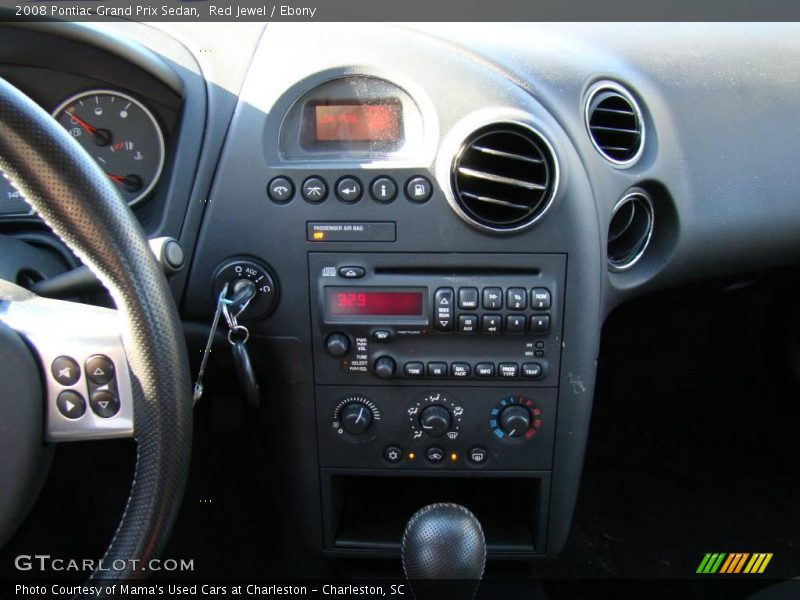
(357, 122)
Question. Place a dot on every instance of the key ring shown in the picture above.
(238, 330)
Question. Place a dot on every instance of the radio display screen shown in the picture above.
(367, 302)
(375, 122)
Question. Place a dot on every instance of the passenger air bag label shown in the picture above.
(351, 231)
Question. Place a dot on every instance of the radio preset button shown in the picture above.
(540, 299)
(540, 323)
(468, 298)
(443, 317)
(517, 298)
(468, 323)
(515, 323)
(491, 323)
(485, 369)
(508, 370)
(460, 369)
(437, 369)
(352, 272)
(532, 370)
(414, 369)
(492, 298)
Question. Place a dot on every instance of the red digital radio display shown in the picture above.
(357, 122)
(366, 302)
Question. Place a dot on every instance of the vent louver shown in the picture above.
(630, 230)
(615, 125)
(504, 177)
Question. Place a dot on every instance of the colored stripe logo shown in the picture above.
(734, 563)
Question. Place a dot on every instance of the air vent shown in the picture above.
(615, 124)
(504, 177)
(630, 230)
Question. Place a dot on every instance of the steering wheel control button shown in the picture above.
(104, 404)
(532, 370)
(314, 189)
(414, 369)
(280, 190)
(540, 323)
(515, 323)
(352, 272)
(460, 370)
(485, 369)
(443, 301)
(99, 369)
(348, 189)
(491, 323)
(468, 298)
(434, 455)
(478, 455)
(65, 371)
(71, 404)
(492, 298)
(517, 299)
(540, 299)
(508, 370)
(383, 189)
(468, 323)
(393, 454)
(419, 189)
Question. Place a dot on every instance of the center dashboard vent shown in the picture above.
(614, 122)
(504, 178)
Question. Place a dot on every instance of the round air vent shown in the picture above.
(504, 178)
(630, 230)
(614, 122)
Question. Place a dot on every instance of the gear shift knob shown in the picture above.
(444, 552)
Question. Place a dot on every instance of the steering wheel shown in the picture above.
(88, 372)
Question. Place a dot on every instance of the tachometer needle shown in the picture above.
(91, 129)
(132, 183)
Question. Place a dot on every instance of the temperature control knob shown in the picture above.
(355, 418)
(435, 420)
(385, 367)
(515, 420)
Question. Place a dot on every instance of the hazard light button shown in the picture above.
(100, 369)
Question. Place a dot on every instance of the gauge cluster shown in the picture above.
(122, 135)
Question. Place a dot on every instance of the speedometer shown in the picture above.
(122, 136)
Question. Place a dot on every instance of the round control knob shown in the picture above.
(337, 344)
(515, 420)
(355, 418)
(384, 367)
(435, 420)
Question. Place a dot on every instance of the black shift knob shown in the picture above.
(444, 552)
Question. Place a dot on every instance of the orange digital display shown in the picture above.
(357, 122)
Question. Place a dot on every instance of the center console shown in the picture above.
(429, 325)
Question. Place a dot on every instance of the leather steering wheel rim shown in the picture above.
(77, 201)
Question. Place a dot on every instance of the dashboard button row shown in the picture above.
(460, 370)
(515, 298)
(494, 323)
(349, 189)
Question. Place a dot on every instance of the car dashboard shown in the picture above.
(437, 219)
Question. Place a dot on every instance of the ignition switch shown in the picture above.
(238, 273)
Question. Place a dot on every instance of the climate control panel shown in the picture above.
(430, 428)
